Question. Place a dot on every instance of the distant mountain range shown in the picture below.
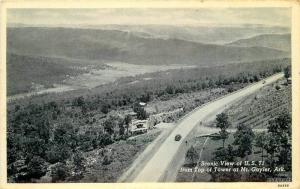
(275, 41)
(203, 34)
(132, 47)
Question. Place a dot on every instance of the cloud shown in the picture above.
(201, 16)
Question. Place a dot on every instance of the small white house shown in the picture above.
(138, 126)
(142, 104)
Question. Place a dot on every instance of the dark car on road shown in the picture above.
(177, 137)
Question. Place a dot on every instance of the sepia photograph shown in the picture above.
(154, 95)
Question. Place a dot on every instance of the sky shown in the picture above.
(191, 17)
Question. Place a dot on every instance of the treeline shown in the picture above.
(54, 133)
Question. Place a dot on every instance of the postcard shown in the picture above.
(150, 94)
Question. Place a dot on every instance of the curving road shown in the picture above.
(157, 168)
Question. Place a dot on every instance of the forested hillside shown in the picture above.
(274, 41)
(52, 132)
(28, 73)
(113, 45)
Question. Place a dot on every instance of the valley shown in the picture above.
(102, 56)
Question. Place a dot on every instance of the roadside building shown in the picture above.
(138, 127)
(143, 104)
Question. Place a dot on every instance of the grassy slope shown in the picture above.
(256, 110)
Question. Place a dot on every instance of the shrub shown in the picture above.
(106, 160)
(59, 172)
(36, 167)
(57, 153)
(192, 155)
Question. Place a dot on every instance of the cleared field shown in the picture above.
(259, 108)
(115, 71)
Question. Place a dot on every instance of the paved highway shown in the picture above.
(157, 167)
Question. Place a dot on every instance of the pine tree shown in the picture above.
(244, 137)
(223, 123)
(192, 155)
